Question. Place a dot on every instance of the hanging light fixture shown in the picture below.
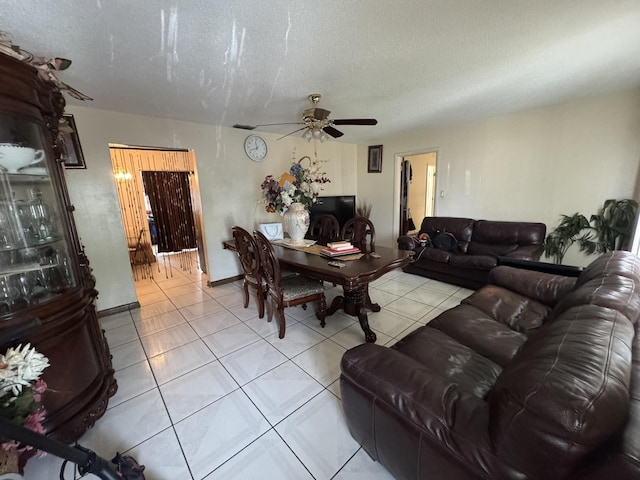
(307, 135)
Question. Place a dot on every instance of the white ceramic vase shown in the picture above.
(296, 222)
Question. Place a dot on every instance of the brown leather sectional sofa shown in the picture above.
(534, 376)
(480, 243)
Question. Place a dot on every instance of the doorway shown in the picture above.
(417, 190)
(163, 180)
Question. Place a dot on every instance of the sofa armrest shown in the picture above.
(406, 242)
(527, 252)
(420, 395)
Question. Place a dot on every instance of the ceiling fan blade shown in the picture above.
(252, 127)
(333, 132)
(291, 133)
(356, 121)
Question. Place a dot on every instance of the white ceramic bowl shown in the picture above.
(14, 157)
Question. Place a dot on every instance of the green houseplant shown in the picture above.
(564, 235)
(612, 227)
(609, 229)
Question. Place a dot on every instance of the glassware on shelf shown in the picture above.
(41, 213)
(6, 231)
(9, 295)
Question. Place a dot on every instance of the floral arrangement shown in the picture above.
(21, 390)
(300, 184)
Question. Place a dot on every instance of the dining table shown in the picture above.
(357, 272)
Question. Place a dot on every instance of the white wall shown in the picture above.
(529, 166)
(229, 185)
(532, 165)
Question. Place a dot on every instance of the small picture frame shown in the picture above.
(72, 155)
(375, 159)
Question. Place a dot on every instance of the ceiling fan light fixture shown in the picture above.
(307, 135)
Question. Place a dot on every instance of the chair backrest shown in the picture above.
(270, 264)
(248, 252)
(361, 233)
(324, 229)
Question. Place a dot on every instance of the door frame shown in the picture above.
(399, 157)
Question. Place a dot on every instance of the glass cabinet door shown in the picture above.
(35, 265)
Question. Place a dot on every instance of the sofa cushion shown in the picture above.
(508, 233)
(433, 254)
(476, 262)
(475, 329)
(542, 287)
(493, 249)
(511, 309)
(565, 393)
(450, 359)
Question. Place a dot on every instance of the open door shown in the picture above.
(417, 190)
(128, 165)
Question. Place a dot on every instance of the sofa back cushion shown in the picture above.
(566, 392)
(545, 288)
(461, 228)
(502, 238)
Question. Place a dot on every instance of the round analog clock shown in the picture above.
(255, 147)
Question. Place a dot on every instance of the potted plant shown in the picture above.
(609, 229)
(612, 227)
(564, 235)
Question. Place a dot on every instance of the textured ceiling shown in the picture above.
(407, 63)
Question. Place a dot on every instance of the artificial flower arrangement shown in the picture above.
(21, 390)
(300, 184)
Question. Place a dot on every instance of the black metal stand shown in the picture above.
(87, 460)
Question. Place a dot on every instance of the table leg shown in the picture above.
(355, 302)
(369, 335)
(368, 303)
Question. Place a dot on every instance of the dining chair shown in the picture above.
(361, 233)
(250, 260)
(324, 229)
(287, 291)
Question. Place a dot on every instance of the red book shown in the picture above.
(333, 252)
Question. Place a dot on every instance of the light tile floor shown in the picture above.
(207, 390)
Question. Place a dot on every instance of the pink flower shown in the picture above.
(40, 386)
(34, 421)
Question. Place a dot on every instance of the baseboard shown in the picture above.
(225, 281)
(121, 308)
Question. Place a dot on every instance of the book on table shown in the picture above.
(330, 252)
(339, 245)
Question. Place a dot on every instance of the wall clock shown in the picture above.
(255, 147)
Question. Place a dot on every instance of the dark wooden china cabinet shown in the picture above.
(47, 290)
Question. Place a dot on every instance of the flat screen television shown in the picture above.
(343, 207)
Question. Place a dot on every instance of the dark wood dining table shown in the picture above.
(354, 277)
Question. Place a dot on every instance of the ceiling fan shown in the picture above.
(316, 123)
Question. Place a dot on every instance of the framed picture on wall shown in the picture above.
(375, 159)
(72, 155)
